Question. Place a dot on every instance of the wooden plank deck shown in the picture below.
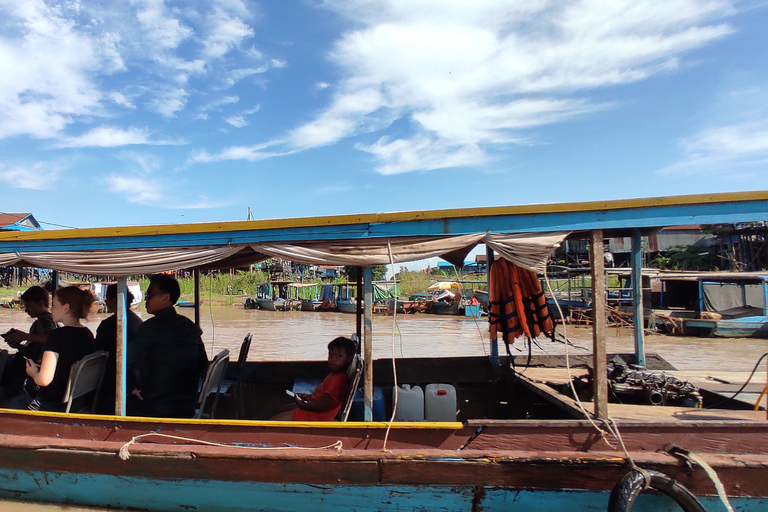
(723, 383)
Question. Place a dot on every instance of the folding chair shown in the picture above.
(212, 381)
(354, 373)
(84, 377)
(242, 358)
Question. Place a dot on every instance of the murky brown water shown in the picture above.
(296, 335)
(304, 336)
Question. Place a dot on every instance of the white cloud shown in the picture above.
(227, 32)
(466, 75)
(250, 153)
(108, 136)
(52, 64)
(161, 28)
(136, 190)
(727, 150)
(322, 85)
(149, 192)
(169, 102)
(121, 100)
(422, 153)
(37, 176)
(236, 121)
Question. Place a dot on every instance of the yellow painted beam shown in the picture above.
(372, 218)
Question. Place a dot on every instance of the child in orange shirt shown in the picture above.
(329, 396)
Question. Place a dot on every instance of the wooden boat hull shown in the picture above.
(483, 465)
(446, 308)
(346, 306)
(310, 305)
(187, 303)
(729, 328)
(266, 304)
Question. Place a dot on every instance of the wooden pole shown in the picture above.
(359, 299)
(121, 346)
(368, 344)
(494, 357)
(196, 273)
(637, 296)
(599, 324)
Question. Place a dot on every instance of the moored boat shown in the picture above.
(499, 453)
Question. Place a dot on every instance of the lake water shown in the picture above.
(297, 335)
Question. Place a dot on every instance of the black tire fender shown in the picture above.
(632, 484)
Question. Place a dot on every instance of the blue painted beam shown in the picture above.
(463, 222)
(637, 296)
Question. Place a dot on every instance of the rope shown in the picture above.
(570, 379)
(744, 386)
(124, 454)
(395, 326)
(710, 473)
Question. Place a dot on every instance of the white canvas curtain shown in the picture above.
(367, 252)
(121, 262)
(529, 251)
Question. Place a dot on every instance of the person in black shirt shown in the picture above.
(63, 347)
(170, 350)
(28, 345)
(106, 339)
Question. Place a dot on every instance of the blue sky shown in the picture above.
(151, 111)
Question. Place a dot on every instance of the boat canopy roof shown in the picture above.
(717, 277)
(525, 235)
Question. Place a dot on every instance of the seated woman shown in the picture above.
(63, 347)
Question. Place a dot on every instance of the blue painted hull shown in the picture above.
(223, 496)
(752, 327)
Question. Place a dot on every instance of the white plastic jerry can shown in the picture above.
(440, 402)
(410, 403)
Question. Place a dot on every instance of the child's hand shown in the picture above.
(301, 399)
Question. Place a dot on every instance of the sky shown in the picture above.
(161, 112)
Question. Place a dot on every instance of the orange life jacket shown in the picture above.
(517, 303)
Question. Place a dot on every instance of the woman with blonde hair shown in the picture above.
(64, 346)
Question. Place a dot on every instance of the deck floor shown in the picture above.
(723, 383)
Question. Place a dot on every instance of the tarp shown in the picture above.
(529, 251)
(727, 296)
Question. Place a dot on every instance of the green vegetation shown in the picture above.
(684, 257)
(219, 284)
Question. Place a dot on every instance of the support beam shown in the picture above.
(599, 323)
(196, 273)
(637, 296)
(494, 355)
(368, 343)
(359, 306)
(121, 346)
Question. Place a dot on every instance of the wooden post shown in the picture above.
(368, 344)
(196, 273)
(494, 356)
(121, 346)
(599, 324)
(637, 296)
(359, 299)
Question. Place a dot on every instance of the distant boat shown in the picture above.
(721, 304)
(187, 303)
(446, 308)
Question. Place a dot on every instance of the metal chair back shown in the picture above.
(354, 373)
(86, 376)
(212, 382)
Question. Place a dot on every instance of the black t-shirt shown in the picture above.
(72, 344)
